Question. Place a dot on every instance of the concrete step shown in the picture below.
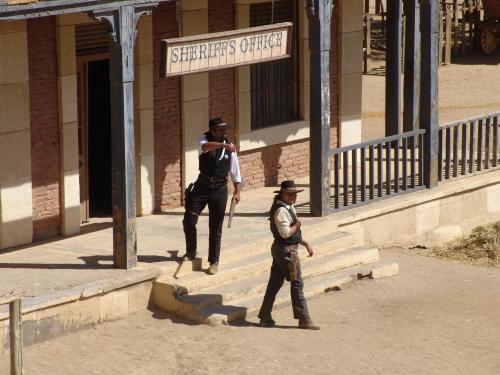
(182, 301)
(333, 281)
(249, 264)
(256, 284)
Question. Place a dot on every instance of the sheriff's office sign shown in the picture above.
(226, 49)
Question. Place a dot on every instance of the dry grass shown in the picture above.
(481, 246)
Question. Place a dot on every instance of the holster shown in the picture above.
(187, 193)
(292, 266)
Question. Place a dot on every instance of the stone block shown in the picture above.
(352, 16)
(242, 15)
(14, 57)
(427, 217)
(303, 32)
(12, 26)
(474, 205)
(85, 312)
(190, 165)
(163, 295)
(194, 4)
(113, 305)
(146, 139)
(386, 270)
(70, 203)
(493, 199)
(195, 120)
(29, 331)
(305, 100)
(48, 328)
(352, 52)
(144, 85)
(194, 22)
(140, 297)
(14, 107)
(351, 130)
(66, 50)
(195, 87)
(16, 213)
(147, 183)
(68, 98)
(144, 44)
(244, 112)
(15, 160)
(443, 234)
(70, 146)
(304, 61)
(243, 79)
(352, 86)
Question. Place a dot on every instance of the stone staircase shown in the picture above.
(239, 286)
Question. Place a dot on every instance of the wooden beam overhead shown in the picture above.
(45, 8)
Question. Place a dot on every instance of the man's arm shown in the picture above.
(307, 246)
(212, 146)
(234, 172)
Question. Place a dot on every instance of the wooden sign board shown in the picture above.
(202, 53)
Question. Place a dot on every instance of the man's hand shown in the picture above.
(229, 147)
(310, 250)
(236, 197)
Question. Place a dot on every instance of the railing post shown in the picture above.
(319, 14)
(16, 338)
(429, 103)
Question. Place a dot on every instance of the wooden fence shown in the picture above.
(16, 334)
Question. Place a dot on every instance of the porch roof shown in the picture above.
(44, 8)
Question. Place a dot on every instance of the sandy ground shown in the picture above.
(438, 317)
(467, 88)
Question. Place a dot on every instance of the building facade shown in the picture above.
(55, 109)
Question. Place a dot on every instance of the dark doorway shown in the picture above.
(99, 139)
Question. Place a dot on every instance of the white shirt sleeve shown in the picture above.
(201, 141)
(283, 221)
(234, 169)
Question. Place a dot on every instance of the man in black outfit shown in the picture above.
(285, 227)
(217, 159)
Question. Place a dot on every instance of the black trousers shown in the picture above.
(200, 196)
(280, 271)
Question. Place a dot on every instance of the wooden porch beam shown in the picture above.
(319, 13)
(429, 98)
(412, 59)
(45, 8)
(393, 69)
(122, 25)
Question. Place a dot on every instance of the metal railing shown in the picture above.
(377, 169)
(468, 146)
(16, 333)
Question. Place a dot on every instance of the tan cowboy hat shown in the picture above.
(288, 186)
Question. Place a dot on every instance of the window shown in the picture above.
(274, 84)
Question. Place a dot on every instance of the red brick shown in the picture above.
(44, 119)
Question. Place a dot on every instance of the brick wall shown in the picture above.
(44, 115)
(167, 117)
(222, 91)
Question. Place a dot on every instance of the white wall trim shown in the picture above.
(266, 137)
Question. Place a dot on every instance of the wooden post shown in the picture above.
(411, 106)
(16, 338)
(319, 13)
(455, 27)
(447, 43)
(429, 103)
(393, 69)
(122, 32)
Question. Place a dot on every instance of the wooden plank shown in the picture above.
(380, 157)
(495, 141)
(7, 300)
(480, 145)
(441, 27)
(455, 27)
(412, 61)
(472, 145)
(464, 149)
(447, 151)
(371, 168)
(388, 173)
(336, 181)
(345, 160)
(16, 337)
(319, 44)
(354, 178)
(487, 140)
(429, 99)
(455, 151)
(393, 68)
(405, 163)
(363, 174)
(447, 54)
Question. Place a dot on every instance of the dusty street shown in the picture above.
(438, 317)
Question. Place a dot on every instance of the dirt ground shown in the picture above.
(438, 317)
(467, 88)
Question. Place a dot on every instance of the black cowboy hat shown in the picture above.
(288, 186)
(217, 123)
